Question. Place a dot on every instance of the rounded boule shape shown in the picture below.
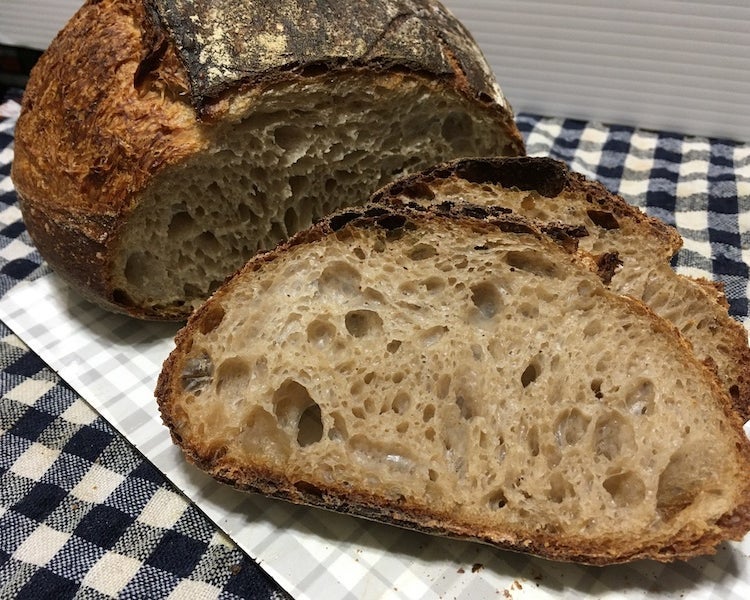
(161, 145)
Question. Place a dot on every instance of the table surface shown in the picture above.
(83, 513)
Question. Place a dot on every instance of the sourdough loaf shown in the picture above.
(461, 373)
(161, 142)
(546, 190)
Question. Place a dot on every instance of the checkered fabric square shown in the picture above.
(82, 513)
(19, 259)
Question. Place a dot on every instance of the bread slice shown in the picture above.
(462, 376)
(162, 143)
(545, 189)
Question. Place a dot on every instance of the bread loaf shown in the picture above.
(465, 374)
(161, 142)
(545, 189)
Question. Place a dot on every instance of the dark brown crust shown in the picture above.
(270, 481)
(87, 146)
(546, 176)
(211, 40)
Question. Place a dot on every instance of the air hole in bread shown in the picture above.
(639, 399)
(486, 299)
(182, 226)
(372, 295)
(232, 377)
(244, 213)
(393, 346)
(197, 373)
(401, 403)
(291, 220)
(310, 428)
(339, 279)
(369, 405)
(338, 432)
(433, 335)
(261, 434)
(290, 401)
(122, 298)
(532, 440)
(596, 387)
(531, 373)
(207, 244)
(528, 310)
(320, 332)
(570, 427)
(559, 488)
(465, 406)
(421, 251)
(434, 285)
(360, 323)
(456, 127)
(613, 436)
(308, 489)
(626, 489)
(288, 137)
(533, 262)
(139, 268)
(428, 413)
(497, 500)
(407, 288)
(680, 481)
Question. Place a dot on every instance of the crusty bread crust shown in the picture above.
(727, 349)
(110, 105)
(262, 476)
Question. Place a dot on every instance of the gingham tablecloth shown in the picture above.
(83, 514)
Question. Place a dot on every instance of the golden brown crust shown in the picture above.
(311, 490)
(106, 109)
(83, 148)
(546, 176)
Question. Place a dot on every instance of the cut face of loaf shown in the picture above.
(544, 189)
(189, 152)
(463, 377)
